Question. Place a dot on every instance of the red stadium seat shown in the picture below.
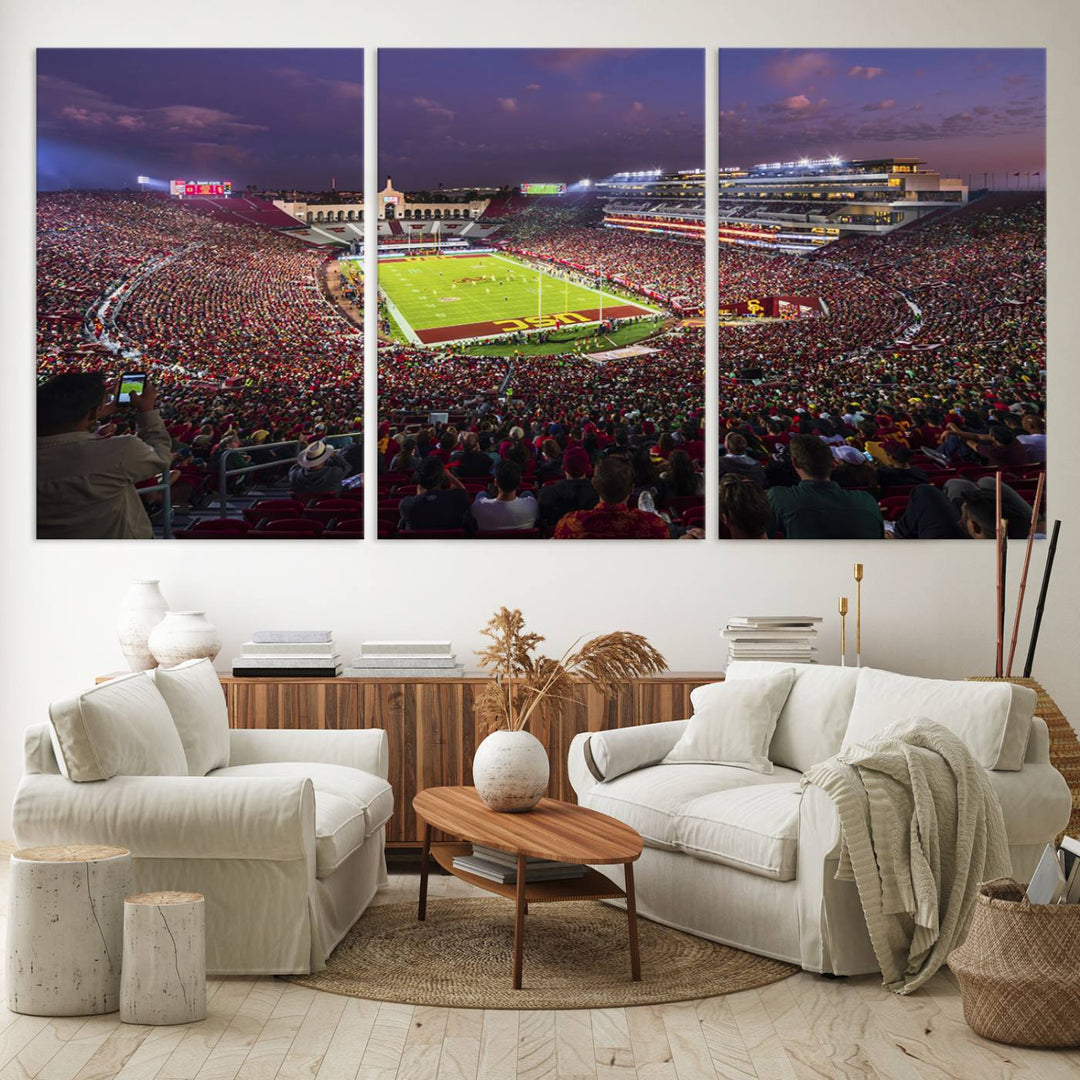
(214, 529)
(346, 529)
(331, 509)
(289, 527)
(431, 534)
(272, 510)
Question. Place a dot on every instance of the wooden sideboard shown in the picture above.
(432, 728)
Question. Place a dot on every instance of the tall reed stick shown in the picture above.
(1047, 569)
(998, 568)
(841, 607)
(1024, 571)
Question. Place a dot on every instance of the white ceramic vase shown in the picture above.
(184, 635)
(510, 771)
(142, 609)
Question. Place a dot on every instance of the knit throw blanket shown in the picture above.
(921, 829)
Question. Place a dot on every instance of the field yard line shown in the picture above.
(606, 295)
(406, 329)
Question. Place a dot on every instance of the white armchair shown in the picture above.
(286, 841)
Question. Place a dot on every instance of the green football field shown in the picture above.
(443, 298)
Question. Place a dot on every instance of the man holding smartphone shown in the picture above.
(86, 483)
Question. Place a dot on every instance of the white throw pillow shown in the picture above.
(993, 720)
(119, 728)
(733, 722)
(812, 722)
(193, 693)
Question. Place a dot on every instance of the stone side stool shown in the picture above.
(65, 929)
(164, 980)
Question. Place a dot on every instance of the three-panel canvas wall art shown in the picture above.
(544, 218)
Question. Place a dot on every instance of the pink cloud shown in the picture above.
(507, 104)
(795, 68)
(433, 108)
(860, 72)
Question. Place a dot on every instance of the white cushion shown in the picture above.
(119, 728)
(812, 722)
(992, 719)
(654, 800)
(733, 722)
(751, 828)
(193, 693)
(364, 791)
(339, 831)
(611, 753)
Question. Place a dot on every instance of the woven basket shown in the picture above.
(1019, 969)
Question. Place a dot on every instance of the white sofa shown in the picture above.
(282, 831)
(742, 857)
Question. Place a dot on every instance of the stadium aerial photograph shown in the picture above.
(882, 293)
(191, 207)
(540, 288)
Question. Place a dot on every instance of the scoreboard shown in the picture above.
(543, 189)
(200, 187)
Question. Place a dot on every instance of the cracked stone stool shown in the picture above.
(65, 929)
(164, 979)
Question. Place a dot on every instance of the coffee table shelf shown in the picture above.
(561, 832)
(592, 885)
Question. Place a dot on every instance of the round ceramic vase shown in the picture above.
(184, 635)
(510, 771)
(142, 609)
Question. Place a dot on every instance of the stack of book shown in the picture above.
(787, 639)
(289, 653)
(1057, 877)
(405, 660)
(501, 866)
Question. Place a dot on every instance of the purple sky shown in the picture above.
(964, 111)
(271, 117)
(501, 116)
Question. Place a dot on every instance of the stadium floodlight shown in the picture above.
(142, 179)
(585, 183)
(833, 159)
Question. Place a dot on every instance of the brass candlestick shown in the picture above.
(841, 606)
(858, 614)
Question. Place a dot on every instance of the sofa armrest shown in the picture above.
(171, 817)
(366, 749)
(38, 753)
(1038, 747)
(596, 756)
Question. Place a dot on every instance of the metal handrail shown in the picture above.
(166, 486)
(224, 472)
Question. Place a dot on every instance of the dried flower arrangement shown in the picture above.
(523, 680)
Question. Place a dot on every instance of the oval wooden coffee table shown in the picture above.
(553, 830)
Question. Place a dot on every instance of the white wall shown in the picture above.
(928, 607)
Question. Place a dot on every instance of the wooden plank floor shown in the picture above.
(804, 1028)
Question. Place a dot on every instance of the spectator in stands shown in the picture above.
(318, 468)
(85, 483)
(1033, 437)
(440, 502)
(470, 461)
(901, 471)
(405, 459)
(612, 518)
(737, 462)
(573, 492)
(744, 508)
(680, 477)
(817, 508)
(960, 511)
(507, 510)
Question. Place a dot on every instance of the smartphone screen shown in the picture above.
(130, 382)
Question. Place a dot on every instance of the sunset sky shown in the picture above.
(272, 117)
(964, 111)
(501, 116)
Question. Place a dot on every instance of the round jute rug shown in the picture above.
(576, 957)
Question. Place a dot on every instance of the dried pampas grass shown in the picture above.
(523, 681)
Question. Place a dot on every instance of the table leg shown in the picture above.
(425, 859)
(519, 921)
(631, 916)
